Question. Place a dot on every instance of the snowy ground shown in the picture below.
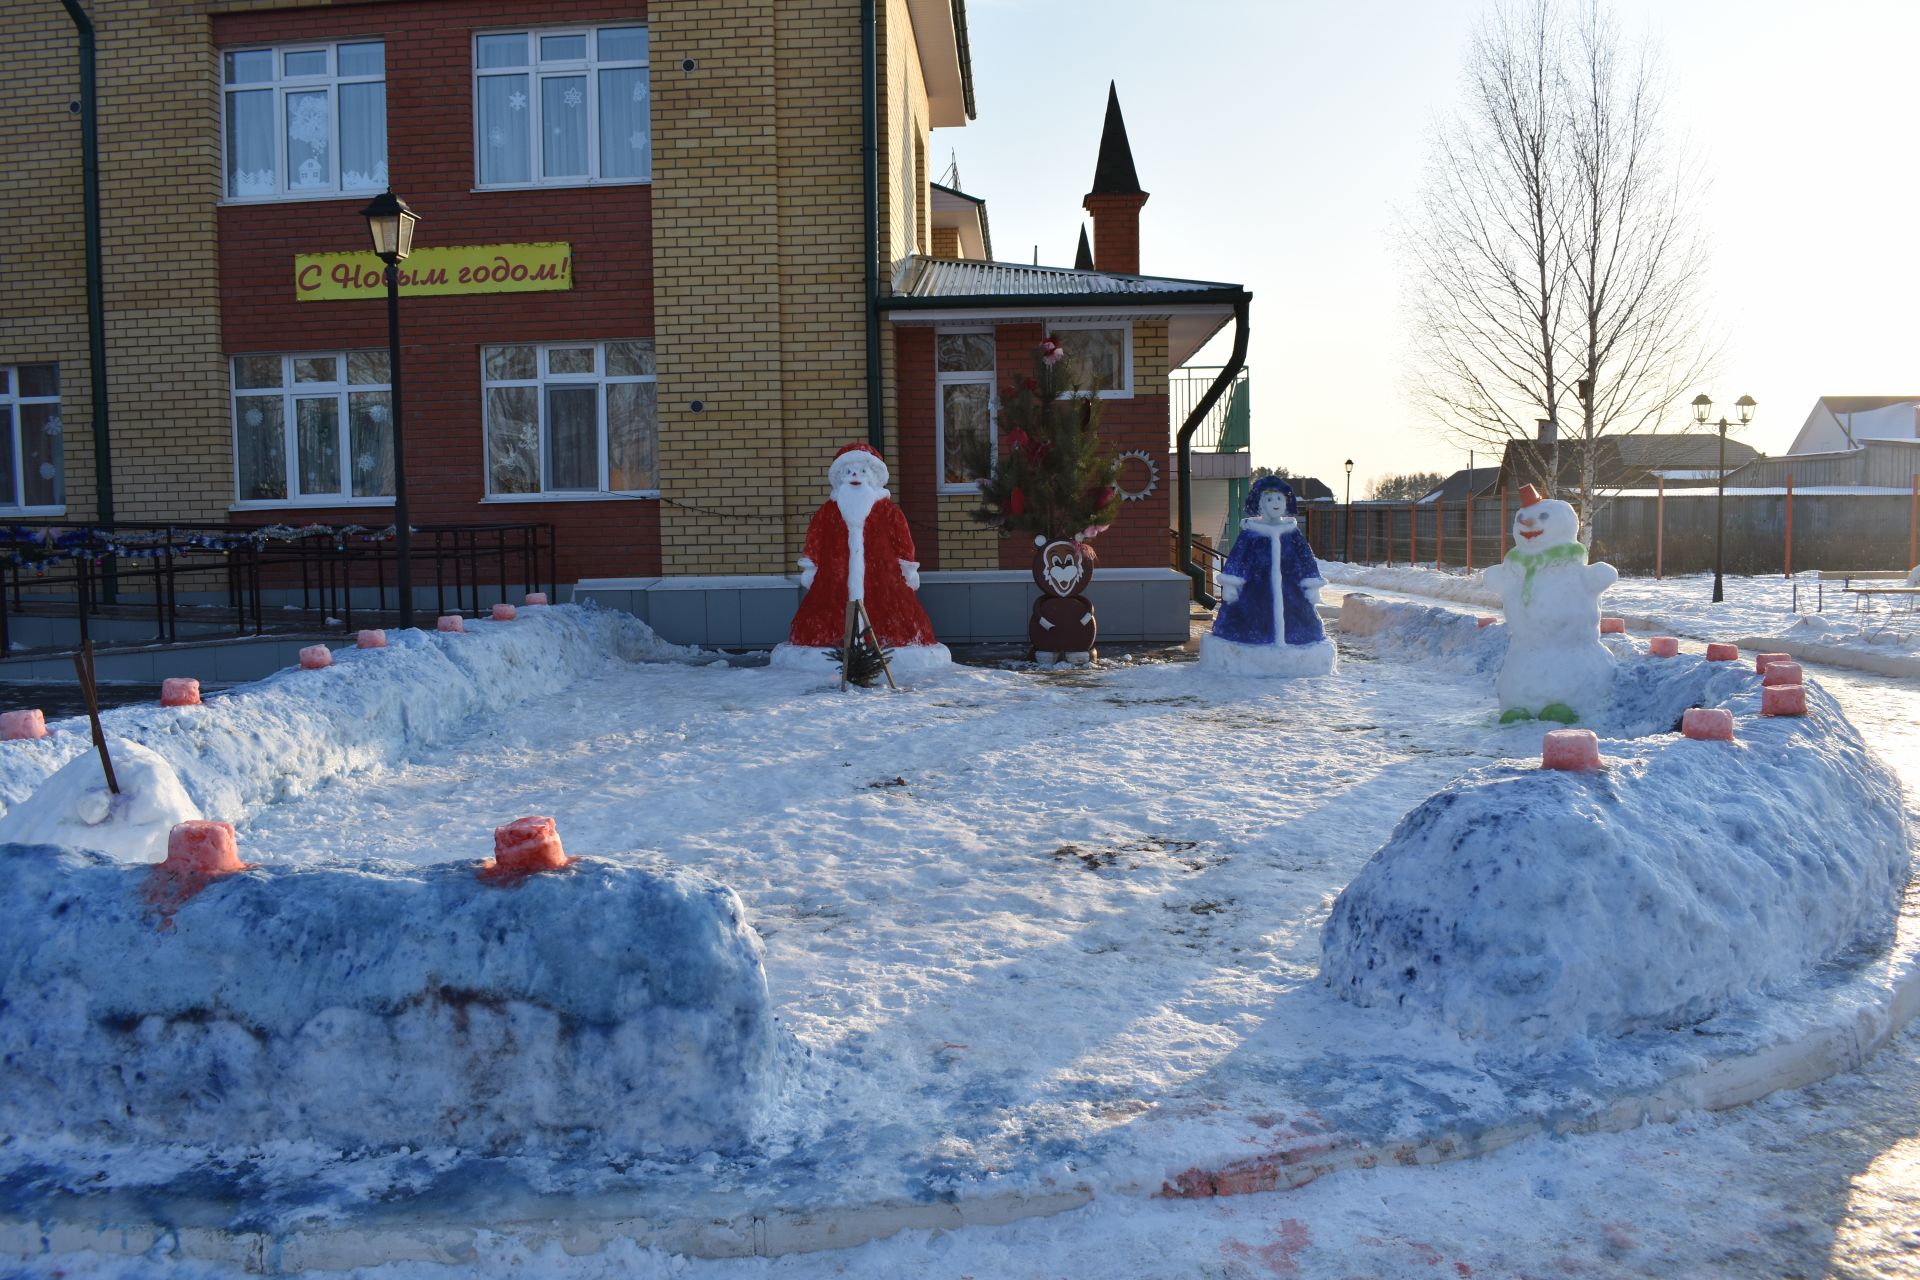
(1043, 903)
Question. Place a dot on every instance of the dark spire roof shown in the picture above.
(1083, 257)
(1113, 174)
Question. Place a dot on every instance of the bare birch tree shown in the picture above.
(1551, 251)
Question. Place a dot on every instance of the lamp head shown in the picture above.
(390, 221)
(1702, 408)
(1746, 405)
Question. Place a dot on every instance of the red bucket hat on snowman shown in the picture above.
(1530, 495)
(872, 458)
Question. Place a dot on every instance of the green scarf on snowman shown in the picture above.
(1531, 562)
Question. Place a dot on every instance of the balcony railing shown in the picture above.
(1228, 426)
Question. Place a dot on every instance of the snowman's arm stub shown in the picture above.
(1600, 577)
(1496, 576)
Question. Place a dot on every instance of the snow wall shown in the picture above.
(605, 1006)
(283, 736)
(1534, 906)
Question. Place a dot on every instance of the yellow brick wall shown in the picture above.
(159, 166)
(946, 242)
(1150, 356)
(964, 543)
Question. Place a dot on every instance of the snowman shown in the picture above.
(1556, 667)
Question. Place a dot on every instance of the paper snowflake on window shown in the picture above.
(46, 471)
(255, 417)
(52, 426)
(518, 101)
(571, 97)
(640, 91)
(496, 137)
(308, 120)
(637, 140)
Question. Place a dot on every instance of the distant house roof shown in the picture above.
(940, 287)
(1626, 461)
(952, 207)
(1848, 422)
(1457, 486)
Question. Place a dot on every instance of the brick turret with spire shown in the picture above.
(1116, 197)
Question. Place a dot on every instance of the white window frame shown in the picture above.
(537, 69)
(542, 379)
(1125, 390)
(288, 392)
(971, 377)
(11, 401)
(281, 85)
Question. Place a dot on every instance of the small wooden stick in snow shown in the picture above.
(84, 666)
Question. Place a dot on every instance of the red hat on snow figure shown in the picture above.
(1530, 495)
(859, 548)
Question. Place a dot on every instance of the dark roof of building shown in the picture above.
(924, 277)
(966, 66)
(1701, 450)
(1457, 486)
(1083, 256)
(1308, 489)
(1623, 460)
(1113, 173)
(1864, 404)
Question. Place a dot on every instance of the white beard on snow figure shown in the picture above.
(1556, 667)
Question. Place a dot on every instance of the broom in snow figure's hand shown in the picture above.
(862, 658)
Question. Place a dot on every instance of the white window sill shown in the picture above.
(968, 490)
(568, 185)
(10, 512)
(302, 198)
(643, 495)
(313, 504)
(1123, 394)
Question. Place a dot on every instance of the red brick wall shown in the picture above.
(915, 484)
(1116, 232)
(430, 124)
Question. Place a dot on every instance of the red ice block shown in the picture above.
(15, 725)
(372, 640)
(1613, 626)
(1708, 724)
(503, 613)
(1663, 647)
(1761, 661)
(450, 622)
(1723, 652)
(1783, 699)
(202, 848)
(316, 656)
(1781, 673)
(1577, 750)
(522, 847)
(1484, 622)
(536, 597)
(179, 691)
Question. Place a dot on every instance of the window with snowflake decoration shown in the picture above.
(562, 108)
(32, 468)
(308, 121)
(570, 419)
(313, 430)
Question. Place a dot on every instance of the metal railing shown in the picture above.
(1185, 388)
(62, 565)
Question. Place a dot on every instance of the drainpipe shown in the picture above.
(1235, 363)
(870, 178)
(96, 302)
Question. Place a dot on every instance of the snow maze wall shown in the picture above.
(1533, 905)
(375, 1005)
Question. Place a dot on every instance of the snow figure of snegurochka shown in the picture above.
(1556, 667)
(1267, 624)
(859, 548)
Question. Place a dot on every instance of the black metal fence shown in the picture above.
(1765, 532)
(84, 567)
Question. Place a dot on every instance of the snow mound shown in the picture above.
(907, 662)
(607, 1007)
(1233, 659)
(74, 809)
(1535, 906)
(283, 736)
(1424, 634)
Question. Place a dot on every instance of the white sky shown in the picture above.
(1278, 139)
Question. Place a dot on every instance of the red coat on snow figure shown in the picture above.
(859, 536)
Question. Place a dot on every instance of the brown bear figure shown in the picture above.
(1062, 625)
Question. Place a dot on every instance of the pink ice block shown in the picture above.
(1613, 626)
(450, 622)
(523, 847)
(1577, 750)
(1663, 647)
(1708, 724)
(15, 725)
(503, 613)
(316, 656)
(1781, 673)
(1783, 699)
(1761, 661)
(536, 597)
(1484, 622)
(1723, 652)
(179, 691)
(372, 640)
(202, 848)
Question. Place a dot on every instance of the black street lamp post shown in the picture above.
(390, 222)
(1702, 410)
(1349, 551)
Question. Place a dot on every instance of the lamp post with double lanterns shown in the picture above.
(1702, 411)
(390, 221)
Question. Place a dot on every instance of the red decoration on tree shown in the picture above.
(1055, 477)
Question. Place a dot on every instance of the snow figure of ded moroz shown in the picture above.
(1556, 667)
(1267, 624)
(858, 548)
